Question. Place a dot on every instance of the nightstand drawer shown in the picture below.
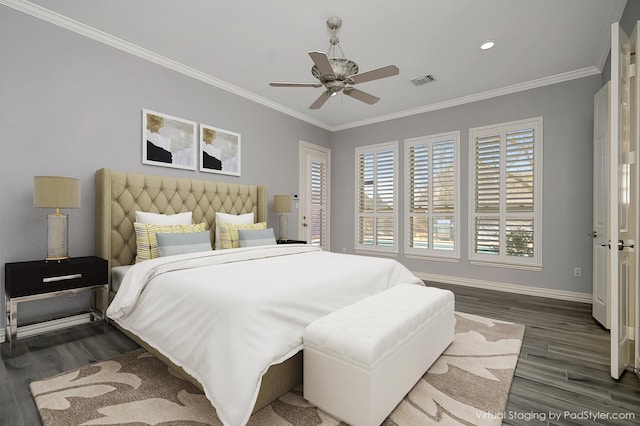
(291, 242)
(37, 277)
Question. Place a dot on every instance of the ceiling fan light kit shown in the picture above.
(338, 74)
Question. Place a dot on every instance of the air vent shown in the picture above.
(423, 80)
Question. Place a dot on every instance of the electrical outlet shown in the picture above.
(577, 272)
(344, 249)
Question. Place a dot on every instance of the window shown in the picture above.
(433, 200)
(318, 202)
(376, 201)
(505, 194)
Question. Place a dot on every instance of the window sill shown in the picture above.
(376, 253)
(432, 258)
(505, 265)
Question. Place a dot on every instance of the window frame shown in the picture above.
(502, 259)
(376, 148)
(431, 253)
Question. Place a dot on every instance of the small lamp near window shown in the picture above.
(56, 192)
(282, 205)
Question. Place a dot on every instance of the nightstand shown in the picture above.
(40, 279)
(291, 242)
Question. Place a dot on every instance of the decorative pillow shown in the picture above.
(146, 242)
(164, 219)
(256, 237)
(224, 218)
(191, 242)
(229, 234)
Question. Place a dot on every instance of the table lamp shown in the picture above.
(56, 192)
(282, 205)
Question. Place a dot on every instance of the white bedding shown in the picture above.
(226, 316)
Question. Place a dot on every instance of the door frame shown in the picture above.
(306, 148)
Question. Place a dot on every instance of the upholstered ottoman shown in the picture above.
(360, 361)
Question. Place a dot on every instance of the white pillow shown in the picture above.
(164, 219)
(232, 219)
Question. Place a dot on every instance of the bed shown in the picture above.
(285, 305)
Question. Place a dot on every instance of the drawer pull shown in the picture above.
(61, 278)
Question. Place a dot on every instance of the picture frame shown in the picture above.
(220, 151)
(168, 141)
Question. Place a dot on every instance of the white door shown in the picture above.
(632, 182)
(622, 200)
(315, 194)
(601, 291)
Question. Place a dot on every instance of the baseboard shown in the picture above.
(507, 287)
(48, 326)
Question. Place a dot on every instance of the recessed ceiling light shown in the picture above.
(487, 45)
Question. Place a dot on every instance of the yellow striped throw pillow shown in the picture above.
(147, 243)
(229, 233)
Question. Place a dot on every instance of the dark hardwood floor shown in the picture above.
(563, 370)
(562, 376)
(46, 355)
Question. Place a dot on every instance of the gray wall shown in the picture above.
(567, 111)
(70, 105)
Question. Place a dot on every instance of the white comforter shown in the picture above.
(226, 316)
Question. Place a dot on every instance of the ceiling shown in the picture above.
(241, 46)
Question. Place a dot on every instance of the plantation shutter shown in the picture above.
(506, 212)
(432, 200)
(376, 198)
(419, 196)
(519, 177)
(318, 212)
(519, 192)
(487, 194)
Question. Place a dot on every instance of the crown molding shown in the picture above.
(123, 45)
(520, 87)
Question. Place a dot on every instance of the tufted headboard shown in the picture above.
(120, 194)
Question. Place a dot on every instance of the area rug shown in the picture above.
(468, 384)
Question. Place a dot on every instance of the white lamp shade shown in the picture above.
(56, 192)
(282, 203)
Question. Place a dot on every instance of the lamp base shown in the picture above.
(282, 236)
(56, 259)
(57, 236)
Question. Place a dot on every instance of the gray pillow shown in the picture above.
(256, 237)
(180, 243)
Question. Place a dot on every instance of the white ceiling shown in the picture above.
(243, 45)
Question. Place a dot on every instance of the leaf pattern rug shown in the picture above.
(469, 384)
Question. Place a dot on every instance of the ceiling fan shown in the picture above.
(337, 73)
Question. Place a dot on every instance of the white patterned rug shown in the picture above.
(469, 384)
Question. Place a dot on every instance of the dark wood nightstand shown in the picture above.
(40, 279)
(291, 242)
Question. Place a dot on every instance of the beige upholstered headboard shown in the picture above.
(120, 194)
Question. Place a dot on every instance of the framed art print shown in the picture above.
(219, 151)
(168, 141)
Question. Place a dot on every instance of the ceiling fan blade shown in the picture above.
(284, 84)
(383, 72)
(360, 95)
(321, 61)
(320, 101)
